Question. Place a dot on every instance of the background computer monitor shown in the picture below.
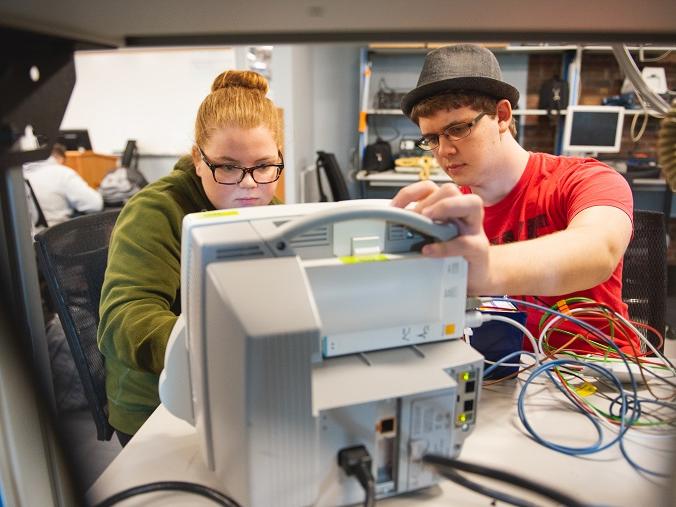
(75, 139)
(593, 129)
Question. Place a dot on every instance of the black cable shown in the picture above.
(370, 498)
(396, 135)
(444, 463)
(454, 476)
(188, 487)
(357, 461)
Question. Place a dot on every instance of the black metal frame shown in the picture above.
(40, 103)
(444, 132)
(245, 170)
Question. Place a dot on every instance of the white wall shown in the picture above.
(336, 104)
(154, 167)
(150, 95)
(318, 87)
(292, 87)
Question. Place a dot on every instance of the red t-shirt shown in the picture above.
(551, 191)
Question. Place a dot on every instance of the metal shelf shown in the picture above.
(423, 47)
(571, 55)
(630, 48)
(515, 112)
(395, 112)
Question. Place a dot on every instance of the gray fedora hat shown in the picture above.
(460, 67)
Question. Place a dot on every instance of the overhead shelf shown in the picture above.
(423, 47)
(630, 48)
(418, 47)
(403, 61)
(515, 112)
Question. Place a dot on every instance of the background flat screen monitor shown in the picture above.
(75, 140)
(593, 129)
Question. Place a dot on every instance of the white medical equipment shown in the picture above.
(311, 328)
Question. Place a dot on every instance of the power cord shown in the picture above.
(448, 468)
(188, 487)
(356, 461)
(454, 476)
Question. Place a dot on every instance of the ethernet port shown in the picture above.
(386, 425)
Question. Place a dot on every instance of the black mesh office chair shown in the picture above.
(73, 257)
(327, 163)
(644, 276)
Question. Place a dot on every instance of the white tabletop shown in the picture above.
(166, 448)
(391, 178)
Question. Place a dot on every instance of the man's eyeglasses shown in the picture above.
(230, 174)
(453, 132)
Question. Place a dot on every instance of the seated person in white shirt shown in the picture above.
(59, 190)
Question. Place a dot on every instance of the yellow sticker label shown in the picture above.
(449, 329)
(218, 213)
(356, 259)
(585, 389)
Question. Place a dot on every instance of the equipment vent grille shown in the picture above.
(396, 232)
(315, 237)
(246, 251)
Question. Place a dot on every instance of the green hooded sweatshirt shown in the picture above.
(140, 298)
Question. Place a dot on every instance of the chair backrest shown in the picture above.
(36, 213)
(73, 257)
(327, 163)
(644, 275)
(130, 153)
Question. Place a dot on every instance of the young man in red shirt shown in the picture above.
(531, 224)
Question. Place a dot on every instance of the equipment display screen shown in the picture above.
(593, 129)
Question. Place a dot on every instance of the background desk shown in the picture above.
(388, 182)
(91, 166)
(166, 448)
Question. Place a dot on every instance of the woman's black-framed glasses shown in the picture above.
(453, 132)
(231, 174)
